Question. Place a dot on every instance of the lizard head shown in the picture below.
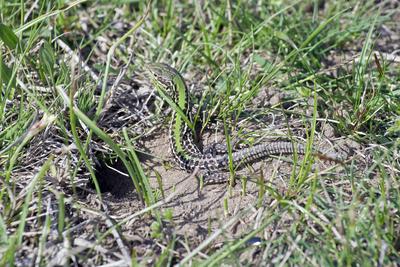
(166, 76)
(163, 73)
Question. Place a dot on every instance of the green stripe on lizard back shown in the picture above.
(181, 135)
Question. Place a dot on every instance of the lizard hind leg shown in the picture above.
(220, 148)
(215, 149)
(218, 177)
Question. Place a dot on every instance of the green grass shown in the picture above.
(233, 52)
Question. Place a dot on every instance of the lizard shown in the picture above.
(172, 87)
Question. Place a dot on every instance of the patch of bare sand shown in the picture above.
(197, 212)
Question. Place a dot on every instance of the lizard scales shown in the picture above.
(171, 84)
